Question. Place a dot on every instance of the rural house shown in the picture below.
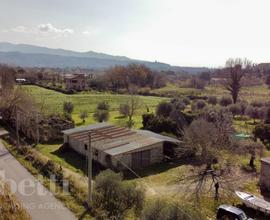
(121, 148)
(75, 81)
(265, 174)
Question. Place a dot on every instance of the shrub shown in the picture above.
(225, 101)
(200, 104)
(243, 106)
(212, 100)
(124, 109)
(257, 104)
(186, 100)
(83, 115)
(164, 109)
(159, 124)
(267, 81)
(267, 116)
(163, 210)
(113, 198)
(101, 115)
(262, 131)
(68, 107)
(103, 106)
(253, 112)
(196, 83)
(235, 109)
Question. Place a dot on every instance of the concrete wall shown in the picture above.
(265, 176)
(156, 154)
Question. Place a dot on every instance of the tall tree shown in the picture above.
(236, 69)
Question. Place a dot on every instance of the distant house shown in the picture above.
(75, 82)
(121, 148)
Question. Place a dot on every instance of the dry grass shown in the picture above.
(10, 208)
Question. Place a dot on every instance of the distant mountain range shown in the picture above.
(34, 56)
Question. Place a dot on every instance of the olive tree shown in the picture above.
(236, 69)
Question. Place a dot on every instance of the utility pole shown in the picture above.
(37, 124)
(90, 175)
(17, 127)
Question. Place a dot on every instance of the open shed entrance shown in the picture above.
(169, 150)
(141, 159)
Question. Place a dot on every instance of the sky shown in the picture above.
(178, 32)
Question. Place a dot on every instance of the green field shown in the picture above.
(248, 93)
(52, 102)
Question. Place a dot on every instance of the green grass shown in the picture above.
(52, 102)
(248, 93)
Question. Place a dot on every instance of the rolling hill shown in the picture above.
(35, 56)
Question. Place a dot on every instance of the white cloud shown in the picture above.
(87, 32)
(20, 29)
(49, 28)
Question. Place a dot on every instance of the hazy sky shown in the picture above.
(180, 32)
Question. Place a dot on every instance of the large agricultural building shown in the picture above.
(120, 148)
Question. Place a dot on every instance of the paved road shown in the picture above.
(38, 205)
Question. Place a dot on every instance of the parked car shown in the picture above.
(227, 212)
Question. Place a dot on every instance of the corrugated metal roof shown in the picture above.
(116, 140)
(159, 136)
(132, 146)
(86, 128)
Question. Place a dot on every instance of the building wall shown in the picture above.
(78, 85)
(156, 154)
(265, 176)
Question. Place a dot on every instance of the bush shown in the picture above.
(68, 107)
(164, 109)
(235, 109)
(159, 124)
(267, 116)
(200, 104)
(253, 112)
(124, 109)
(196, 83)
(103, 106)
(186, 100)
(257, 104)
(225, 101)
(113, 198)
(101, 115)
(83, 115)
(212, 100)
(163, 210)
(262, 131)
(243, 106)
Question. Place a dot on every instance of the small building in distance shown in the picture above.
(75, 81)
(265, 174)
(121, 148)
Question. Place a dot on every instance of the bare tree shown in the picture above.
(133, 104)
(236, 69)
(205, 140)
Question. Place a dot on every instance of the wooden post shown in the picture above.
(37, 124)
(17, 127)
(90, 189)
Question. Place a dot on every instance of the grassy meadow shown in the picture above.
(52, 102)
(247, 93)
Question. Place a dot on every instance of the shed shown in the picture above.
(265, 174)
(120, 148)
